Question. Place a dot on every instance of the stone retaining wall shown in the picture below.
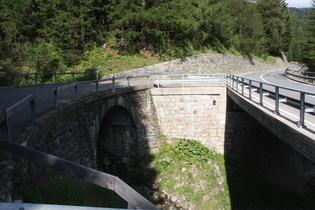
(205, 64)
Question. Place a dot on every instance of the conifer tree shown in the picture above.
(309, 47)
(250, 28)
(276, 23)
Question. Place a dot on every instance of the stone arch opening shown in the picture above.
(118, 133)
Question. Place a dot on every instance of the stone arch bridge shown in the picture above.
(129, 122)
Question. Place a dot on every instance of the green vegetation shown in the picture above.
(309, 46)
(185, 169)
(191, 170)
(53, 35)
(197, 177)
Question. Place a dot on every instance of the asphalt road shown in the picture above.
(277, 77)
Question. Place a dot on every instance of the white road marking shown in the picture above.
(285, 112)
(262, 76)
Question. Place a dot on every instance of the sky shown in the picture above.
(299, 3)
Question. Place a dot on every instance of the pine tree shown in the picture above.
(249, 28)
(276, 23)
(309, 47)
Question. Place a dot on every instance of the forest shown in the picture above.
(56, 35)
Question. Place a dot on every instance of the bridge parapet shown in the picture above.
(288, 118)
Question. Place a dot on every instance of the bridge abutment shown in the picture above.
(193, 113)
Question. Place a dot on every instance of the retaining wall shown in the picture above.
(207, 63)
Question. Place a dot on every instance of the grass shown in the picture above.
(111, 61)
(190, 170)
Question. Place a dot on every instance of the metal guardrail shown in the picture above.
(189, 79)
(234, 81)
(34, 77)
(32, 206)
(133, 198)
(300, 75)
(157, 79)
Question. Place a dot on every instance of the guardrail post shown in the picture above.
(4, 125)
(113, 85)
(128, 79)
(242, 86)
(250, 90)
(76, 91)
(302, 110)
(14, 75)
(33, 111)
(36, 78)
(277, 102)
(261, 94)
(55, 77)
(4, 129)
(97, 87)
(148, 81)
(72, 76)
(56, 98)
(232, 78)
(229, 80)
(237, 84)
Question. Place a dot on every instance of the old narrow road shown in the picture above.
(21, 119)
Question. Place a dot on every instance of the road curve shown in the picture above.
(277, 77)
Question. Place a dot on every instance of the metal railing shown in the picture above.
(35, 78)
(183, 79)
(133, 198)
(31, 99)
(300, 75)
(189, 79)
(238, 84)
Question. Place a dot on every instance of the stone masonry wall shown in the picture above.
(197, 114)
(72, 131)
(207, 63)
